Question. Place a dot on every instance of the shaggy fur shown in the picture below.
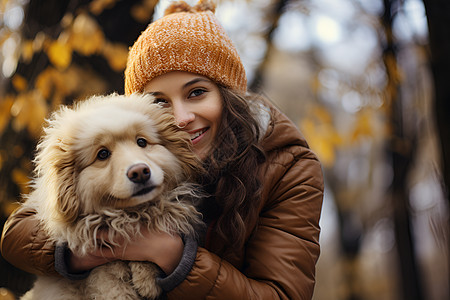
(113, 163)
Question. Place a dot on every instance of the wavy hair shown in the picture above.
(232, 168)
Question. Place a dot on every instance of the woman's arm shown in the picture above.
(161, 248)
(25, 245)
(280, 256)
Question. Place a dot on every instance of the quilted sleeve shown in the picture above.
(25, 245)
(281, 255)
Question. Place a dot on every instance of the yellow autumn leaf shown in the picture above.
(19, 83)
(363, 126)
(116, 55)
(84, 82)
(44, 82)
(325, 151)
(322, 138)
(64, 83)
(59, 84)
(97, 6)
(307, 126)
(27, 51)
(86, 37)
(29, 111)
(52, 83)
(40, 111)
(71, 80)
(60, 54)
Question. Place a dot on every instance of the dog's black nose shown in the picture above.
(139, 173)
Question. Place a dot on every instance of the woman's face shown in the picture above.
(196, 103)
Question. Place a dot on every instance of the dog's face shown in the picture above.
(121, 161)
(112, 152)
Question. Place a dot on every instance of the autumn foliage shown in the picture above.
(373, 128)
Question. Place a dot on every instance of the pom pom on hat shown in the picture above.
(188, 38)
(181, 6)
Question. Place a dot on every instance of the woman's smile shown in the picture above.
(197, 135)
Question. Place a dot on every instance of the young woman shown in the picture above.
(266, 186)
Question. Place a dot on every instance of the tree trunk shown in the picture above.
(274, 16)
(401, 151)
(438, 12)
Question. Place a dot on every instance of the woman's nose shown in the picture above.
(183, 115)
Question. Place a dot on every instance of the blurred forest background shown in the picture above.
(367, 82)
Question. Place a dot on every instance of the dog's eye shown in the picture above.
(141, 142)
(103, 154)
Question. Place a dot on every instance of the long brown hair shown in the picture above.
(232, 168)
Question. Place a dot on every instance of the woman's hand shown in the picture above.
(163, 249)
(79, 264)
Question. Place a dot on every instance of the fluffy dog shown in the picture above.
(111, 163)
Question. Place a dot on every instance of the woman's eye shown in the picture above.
(141, 142)
(103, 154)
(197, 92)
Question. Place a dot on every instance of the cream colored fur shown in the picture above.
(77, 192)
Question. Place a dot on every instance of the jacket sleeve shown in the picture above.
(25, 245)
(281, 255)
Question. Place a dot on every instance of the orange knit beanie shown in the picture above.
(185, 39)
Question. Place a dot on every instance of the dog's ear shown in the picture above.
(55, 162)
(67, 203)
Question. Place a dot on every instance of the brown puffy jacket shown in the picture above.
(278, 260)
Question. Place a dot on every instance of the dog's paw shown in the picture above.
(144, 279)
(111, 281)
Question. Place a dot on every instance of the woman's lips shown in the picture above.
(195, 136)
